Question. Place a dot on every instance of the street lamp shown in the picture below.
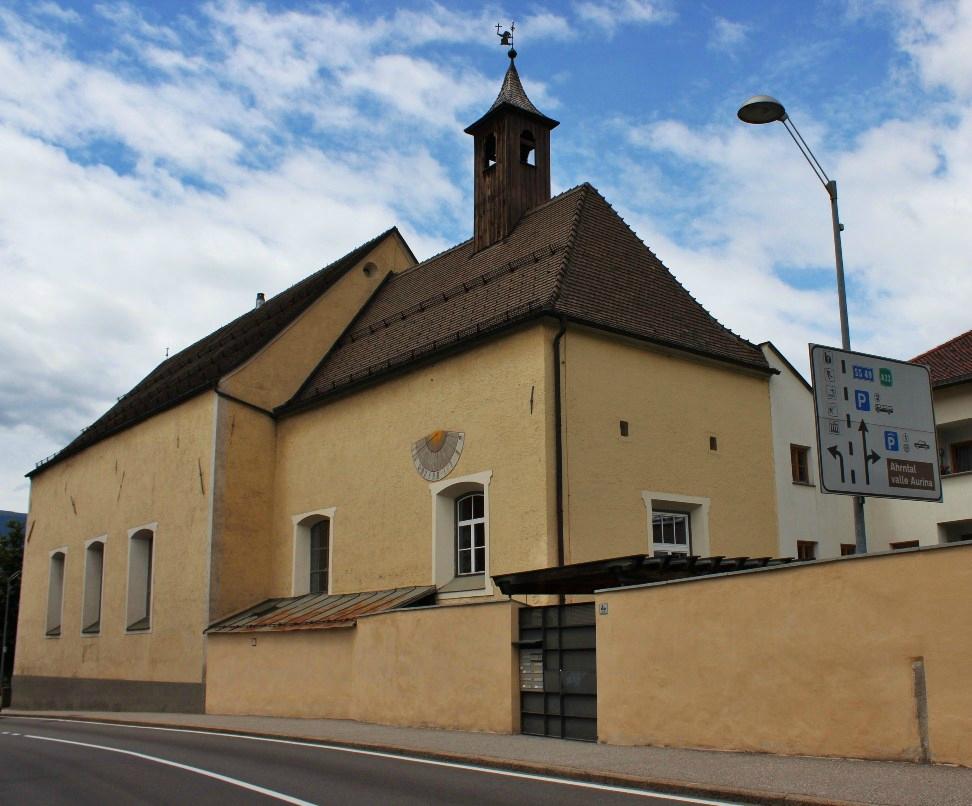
(764, 109)
(3, 646)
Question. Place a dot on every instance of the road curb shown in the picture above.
(662, 786)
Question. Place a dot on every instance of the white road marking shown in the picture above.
(198, 770)
(415, 760)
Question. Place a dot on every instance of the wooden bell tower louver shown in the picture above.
(511, 161)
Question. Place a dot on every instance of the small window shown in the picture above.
(800, 464)
(670, 534)
(55, 593)
(139, 611)
(962, 457)
(904, 544)
(489, 151)
(713, 443)
(528, 148)
(806, 549)
(94, 563)
(470, 534)
(320, 551)
(623, 428)
(847, 549)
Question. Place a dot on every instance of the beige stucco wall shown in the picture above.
(673, 404)
(301, 674)
(443, 667)
(275, 373)
(355, 455)
(808, 660)
(242, 508)
(159, 471)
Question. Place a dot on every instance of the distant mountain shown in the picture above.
(11, 516)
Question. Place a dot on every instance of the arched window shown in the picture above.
(320, 550)
(55, 593)
(528, 148)
(140, 550)
(489, 151)
(470, 534)
(94, 563)
(313, 533)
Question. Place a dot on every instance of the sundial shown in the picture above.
(437, 454)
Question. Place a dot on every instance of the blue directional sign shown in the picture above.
(891, 441)
(862, 400)
(863, 373)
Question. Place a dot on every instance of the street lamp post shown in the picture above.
(763, 109)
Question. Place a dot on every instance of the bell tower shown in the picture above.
(511, 161)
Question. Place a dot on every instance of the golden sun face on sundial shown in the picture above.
(436, 454)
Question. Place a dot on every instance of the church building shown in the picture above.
(330, 488)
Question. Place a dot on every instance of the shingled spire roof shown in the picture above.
(513, 95)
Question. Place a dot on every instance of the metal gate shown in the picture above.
(558, 672)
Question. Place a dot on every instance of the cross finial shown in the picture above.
(506, 38)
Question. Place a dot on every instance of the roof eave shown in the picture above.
(472, 128)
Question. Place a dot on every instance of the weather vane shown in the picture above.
(506, 38)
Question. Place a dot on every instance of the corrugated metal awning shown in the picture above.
(616, 572)
(320, 611)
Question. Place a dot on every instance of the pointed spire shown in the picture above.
(512, 95)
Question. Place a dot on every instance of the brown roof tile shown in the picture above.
(201, 365)
(950, 362)
(572, 256)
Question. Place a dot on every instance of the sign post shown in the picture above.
(875, 426)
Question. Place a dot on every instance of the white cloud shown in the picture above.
(611, 14)
(727, 35)
(938, 35)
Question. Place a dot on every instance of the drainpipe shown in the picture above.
(558, 445)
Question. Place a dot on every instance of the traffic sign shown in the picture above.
(875, 426)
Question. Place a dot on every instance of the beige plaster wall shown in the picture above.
(242, 509)
(301, 674)
(159, 471)
(673, 404)
(445, 667)
(275, 373)
(355, 455)
(807, 660)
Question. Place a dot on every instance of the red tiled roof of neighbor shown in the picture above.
(572, 257)
(201, 365)
(950, 362)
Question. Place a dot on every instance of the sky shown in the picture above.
(161, 163)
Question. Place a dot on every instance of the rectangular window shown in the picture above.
(800, 464)
(670, 534)
(55, 593)
(320, 546)
(962, 457)
(94, 562)
(806, 549)
(847, 549)
(140, 580)
(470, 534)
(904, 544)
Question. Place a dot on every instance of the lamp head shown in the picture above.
(761, 109)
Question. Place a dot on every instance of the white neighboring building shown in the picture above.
(904, 524)
(811, 524)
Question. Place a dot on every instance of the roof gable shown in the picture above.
(572, 256)
(950, 362)
(201, 365)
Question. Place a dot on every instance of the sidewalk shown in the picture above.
(742, 777)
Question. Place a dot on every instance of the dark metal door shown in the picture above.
(558, 672)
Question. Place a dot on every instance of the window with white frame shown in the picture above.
(313, 538)
(671, 534)
(55, 593)
(470, 534)
(460, 548)
(140, 561)
(94, 564)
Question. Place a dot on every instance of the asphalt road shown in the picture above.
(66, 762)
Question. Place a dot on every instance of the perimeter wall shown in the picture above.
(816, 659)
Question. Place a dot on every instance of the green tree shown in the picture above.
(11, 561)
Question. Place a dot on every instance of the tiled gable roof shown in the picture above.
(950, 362)
(572, 256)
(201, 365)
